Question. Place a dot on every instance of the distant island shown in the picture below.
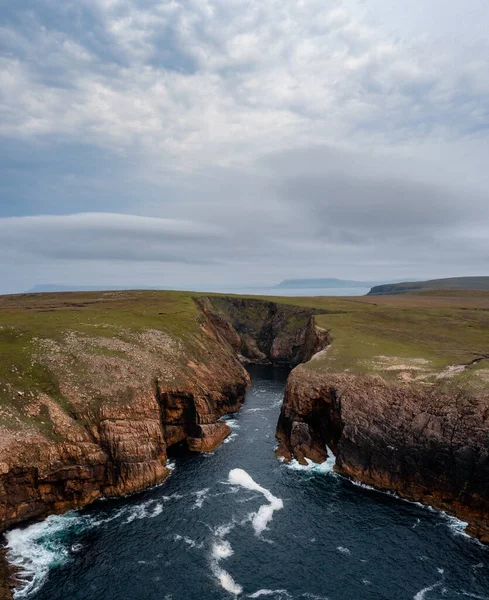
(451, 283)
(324, 283)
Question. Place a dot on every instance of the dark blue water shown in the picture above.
(198, 536)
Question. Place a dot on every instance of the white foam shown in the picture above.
(228, 583)
(189, 541)
(422, 593)
(35, 549)
(343, 550)
(266, 592)
(264, 515)
(231, 421)
(457, 526)
(146, 510)
(39, 547)
(324, 468)
(231, 438)
(221, 549)
(200, 495)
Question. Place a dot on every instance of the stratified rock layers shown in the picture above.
(423, 443)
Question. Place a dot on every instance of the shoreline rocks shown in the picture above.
(426, 444)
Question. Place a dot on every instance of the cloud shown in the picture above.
(263, 140)
(195, 80)
(105, 236)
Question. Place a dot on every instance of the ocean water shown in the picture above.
(291, 292)
(237, 523)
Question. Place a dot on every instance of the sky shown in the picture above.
(207, 143)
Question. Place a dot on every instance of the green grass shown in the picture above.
(441, 328)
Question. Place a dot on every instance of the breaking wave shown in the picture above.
(36, 549)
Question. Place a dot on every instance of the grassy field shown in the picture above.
(413, 337)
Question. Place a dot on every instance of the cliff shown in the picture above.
(262, 331)
(425, 443)
(98, 386)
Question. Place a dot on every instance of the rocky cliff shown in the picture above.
(266, 332)
(425, 443)
(105, 408)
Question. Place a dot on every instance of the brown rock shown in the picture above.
(423, 443)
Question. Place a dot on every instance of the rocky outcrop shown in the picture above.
(427, 443)
(110, 436)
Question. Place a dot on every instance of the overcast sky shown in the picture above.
(190, 143)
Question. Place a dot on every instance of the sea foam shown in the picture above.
(264, 515)
(221, 549)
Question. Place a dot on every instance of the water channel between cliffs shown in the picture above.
(238, 523)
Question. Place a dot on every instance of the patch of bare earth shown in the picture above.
(405, 369)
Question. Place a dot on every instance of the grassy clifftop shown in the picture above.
(43, 336)
(415, 337)
(423, 337)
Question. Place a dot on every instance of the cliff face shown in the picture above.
(423, 443)
(122, 398)
(267, 332)
(109, 435)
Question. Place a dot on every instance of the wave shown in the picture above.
(422, 593)
(231, 421)
(200, 497)
(34, 550)
(189, 541)
(265, 592)
(325, 468)
(40, 547)
(456, 525)
(221, 547)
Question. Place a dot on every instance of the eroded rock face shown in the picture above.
(266, 332)
(423, 443)
(110, 433)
